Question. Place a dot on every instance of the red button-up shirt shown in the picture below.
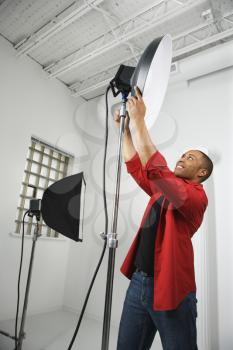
(174, 275)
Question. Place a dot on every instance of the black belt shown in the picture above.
(145, 274)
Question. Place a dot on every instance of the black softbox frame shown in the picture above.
(61, 206)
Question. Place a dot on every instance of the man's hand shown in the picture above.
(136, 108)
(128, 147)
(117, 119)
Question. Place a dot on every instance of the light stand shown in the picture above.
(151, 76)
(36, 234)
(34, 210)
(112, 237)
(60, 208)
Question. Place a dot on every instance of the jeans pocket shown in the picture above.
(192, 301)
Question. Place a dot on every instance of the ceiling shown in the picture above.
(83, 42)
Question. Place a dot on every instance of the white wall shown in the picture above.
(31, 104)
(204, 114)
(194, 114)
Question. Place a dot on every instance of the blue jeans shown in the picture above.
(139, 322)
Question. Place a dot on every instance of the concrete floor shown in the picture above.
(54, 330)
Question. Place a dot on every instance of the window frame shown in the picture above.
(53, 154)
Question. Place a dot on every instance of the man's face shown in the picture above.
(190, 166)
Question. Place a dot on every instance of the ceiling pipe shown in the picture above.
(54, 26)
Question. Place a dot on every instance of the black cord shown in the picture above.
(106, 226)
(18, 289)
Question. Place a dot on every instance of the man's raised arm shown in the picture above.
(131, 158)
(137, 110)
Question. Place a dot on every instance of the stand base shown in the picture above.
(8, 335)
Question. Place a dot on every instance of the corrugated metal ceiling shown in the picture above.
(83, 42)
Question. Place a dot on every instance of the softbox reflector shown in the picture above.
(151, 75)
(62, 205)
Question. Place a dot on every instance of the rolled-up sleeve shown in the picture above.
(137, 171)
(187, 198)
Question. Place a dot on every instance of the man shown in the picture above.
(160, 263)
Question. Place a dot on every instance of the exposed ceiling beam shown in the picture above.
(228, 20)
(82, 89)
(78, 86)
(82, 85)
(91, 88)
(55, 25)
(115, 65)
(216, 9)
(110, 20)
(104, 75)
(179, 2)
(126, 31)
(103, 39)
(214, 38)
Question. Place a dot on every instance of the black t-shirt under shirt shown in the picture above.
(144, 259)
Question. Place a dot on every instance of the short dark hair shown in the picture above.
(208, 164)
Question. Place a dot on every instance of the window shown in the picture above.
(45, 164)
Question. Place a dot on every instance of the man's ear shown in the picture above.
(202, 172)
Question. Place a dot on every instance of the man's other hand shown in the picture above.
(136, 108)
(117, 119)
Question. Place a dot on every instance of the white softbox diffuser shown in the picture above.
(151, 75)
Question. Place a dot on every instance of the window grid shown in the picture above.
(44, 166)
